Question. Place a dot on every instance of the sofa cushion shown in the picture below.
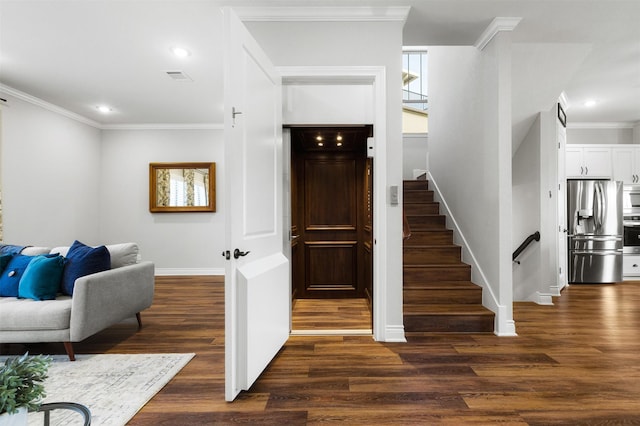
(27, 314)
(41, 278)
(10, 278)
(35, 251)
(121, 254)
(83, 260)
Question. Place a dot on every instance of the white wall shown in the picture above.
(50, 175)
(327, 104)
(345, 44)
(414, 153)
(599, 136)
(178, 243)
(526, 214)
(65, 180)
(471, 164)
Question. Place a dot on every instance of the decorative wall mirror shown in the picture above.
(182, 187)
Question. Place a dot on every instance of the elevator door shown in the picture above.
(330, 211)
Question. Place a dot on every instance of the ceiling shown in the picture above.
(79, 54)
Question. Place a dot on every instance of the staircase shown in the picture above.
(438, 293)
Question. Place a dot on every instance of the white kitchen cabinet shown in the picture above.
(631, 265)
(587, 161)
(626, 164)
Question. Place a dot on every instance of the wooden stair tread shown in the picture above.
(445, 309)
(457, 264)
(442, 285)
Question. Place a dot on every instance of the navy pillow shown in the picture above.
(10, 278)
(4, 261)
(83, 260)
(41, 278)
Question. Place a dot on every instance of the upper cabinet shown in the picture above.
(617, 162)
(588, 161)
(626, 164)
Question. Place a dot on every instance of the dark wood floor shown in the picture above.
(574, 363)
(331, 315)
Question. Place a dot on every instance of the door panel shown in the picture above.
(257, 303)
(331, 203)
(331, 266)
(330, 194)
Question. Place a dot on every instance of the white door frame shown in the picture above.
(376, 77)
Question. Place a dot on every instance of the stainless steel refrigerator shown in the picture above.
(595, 231)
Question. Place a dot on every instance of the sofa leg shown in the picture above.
(68, 346)
(139, 318)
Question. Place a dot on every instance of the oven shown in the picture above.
(631, 218)
(631, 234)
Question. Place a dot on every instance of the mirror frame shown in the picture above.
(153, 183)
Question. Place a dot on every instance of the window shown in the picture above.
(414, 79)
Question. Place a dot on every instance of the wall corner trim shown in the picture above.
(497, 25)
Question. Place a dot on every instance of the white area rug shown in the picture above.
(113, 387)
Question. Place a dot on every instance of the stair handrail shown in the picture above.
(406, 229)
(533, 237)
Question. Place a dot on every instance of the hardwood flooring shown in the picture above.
(331, 315)
(574, 363)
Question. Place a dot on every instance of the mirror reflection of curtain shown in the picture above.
(162, 188)
(188, 182)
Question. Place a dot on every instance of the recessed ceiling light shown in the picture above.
(590, 103)
(339, 144)
(180, 52)
(320, 144)
(103, 109)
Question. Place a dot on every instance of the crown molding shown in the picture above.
(323, 14)
(497, 25)
(77, 117)
(48, 106)
(164, 126)
(603, 125)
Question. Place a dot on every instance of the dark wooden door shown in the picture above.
(329, 212)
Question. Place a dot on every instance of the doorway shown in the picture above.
(331, 228)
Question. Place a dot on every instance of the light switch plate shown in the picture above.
(393, 195)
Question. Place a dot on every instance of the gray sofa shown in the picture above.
(99, 301)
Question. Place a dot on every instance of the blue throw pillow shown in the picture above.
(10, 278)
(4, 261)
(83, 260)
(41, 279)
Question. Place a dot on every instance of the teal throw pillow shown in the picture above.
(41, 279)
(83, 260)
(11, 274)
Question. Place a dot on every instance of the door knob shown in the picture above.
(237, 253)
(226, 254)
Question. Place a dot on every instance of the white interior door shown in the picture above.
(561, 136)
(257, 298)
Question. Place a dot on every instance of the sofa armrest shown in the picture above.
(106, 298)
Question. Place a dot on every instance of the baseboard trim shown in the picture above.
(188, 271)
(346, 332)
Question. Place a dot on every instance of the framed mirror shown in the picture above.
(182, 187)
